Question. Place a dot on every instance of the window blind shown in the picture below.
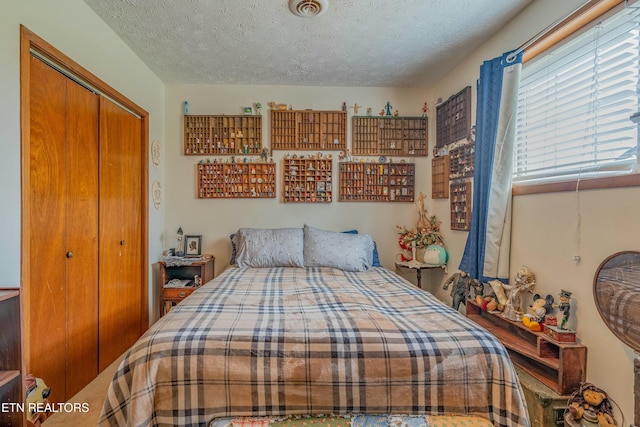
(575, 102)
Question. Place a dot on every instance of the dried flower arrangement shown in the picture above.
(423, 237)
(425, 233)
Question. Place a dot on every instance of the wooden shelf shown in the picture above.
(462, 161)
(453, 118)
(11, 362)
(390, 136)
(377, 182)
(559, 366)
(236, 180)
(440, 177)
(307, 180)
(308, 130)
(222, 134)
(460, 201)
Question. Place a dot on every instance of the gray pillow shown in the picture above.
(347, 252)
(270, 247)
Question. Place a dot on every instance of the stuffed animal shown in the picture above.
(489, 303)
(37, 397)
(590, 403)
(537, 311)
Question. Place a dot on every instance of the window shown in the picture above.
(575, 104)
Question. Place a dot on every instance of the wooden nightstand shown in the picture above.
(418, 267)
(172, 296)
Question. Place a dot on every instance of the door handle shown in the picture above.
(69, 254)
(121, 242)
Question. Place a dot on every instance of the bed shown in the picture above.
(278, 341)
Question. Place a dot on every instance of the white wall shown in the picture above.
(215, 219)
(544, 226)
(73, 28)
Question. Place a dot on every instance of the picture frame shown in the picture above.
(193, 245)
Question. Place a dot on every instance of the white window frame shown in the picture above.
(553, 174)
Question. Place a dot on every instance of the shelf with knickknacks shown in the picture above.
(552, 360)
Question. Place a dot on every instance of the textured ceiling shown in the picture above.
(376, 43)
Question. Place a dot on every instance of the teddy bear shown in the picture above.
(489, 303)
(537, 311)
(590, 403)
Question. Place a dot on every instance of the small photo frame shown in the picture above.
(193, 246)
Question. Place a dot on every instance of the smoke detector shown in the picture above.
(308, 8)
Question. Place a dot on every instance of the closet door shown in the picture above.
(60, 311)
(121, 231)
(82, 238)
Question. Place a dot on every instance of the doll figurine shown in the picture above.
(564, 308)
(462, 284)
(523, 282)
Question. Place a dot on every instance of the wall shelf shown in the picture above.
(390, 136)
(222, 134)
(453, 118)
(308, 130)
(460, 203)
(307, 180)
(440, 177)
(462, 161)
(236, 180)
(377, 182)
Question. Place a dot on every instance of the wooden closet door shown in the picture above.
(82, 238)
(46, 306)
(61, 311)
(121, 216)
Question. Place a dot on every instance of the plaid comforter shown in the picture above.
(284, 341)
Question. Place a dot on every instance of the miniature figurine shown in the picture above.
(356, 108)
(537, 311)
(396, 113)
(424, 110)
(369, 111)
(344, 106)
(564, 307)
(387, 109)
(258, 107)
(179, 238)
(462, 288)
(524, 282)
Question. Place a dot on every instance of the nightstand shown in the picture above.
(172, 296)
(418, 267)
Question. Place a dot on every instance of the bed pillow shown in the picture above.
(376, 257)
(269, 247)
(345, 251)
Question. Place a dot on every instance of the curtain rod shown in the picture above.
(566, 26)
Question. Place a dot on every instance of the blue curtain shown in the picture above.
(486, 254)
